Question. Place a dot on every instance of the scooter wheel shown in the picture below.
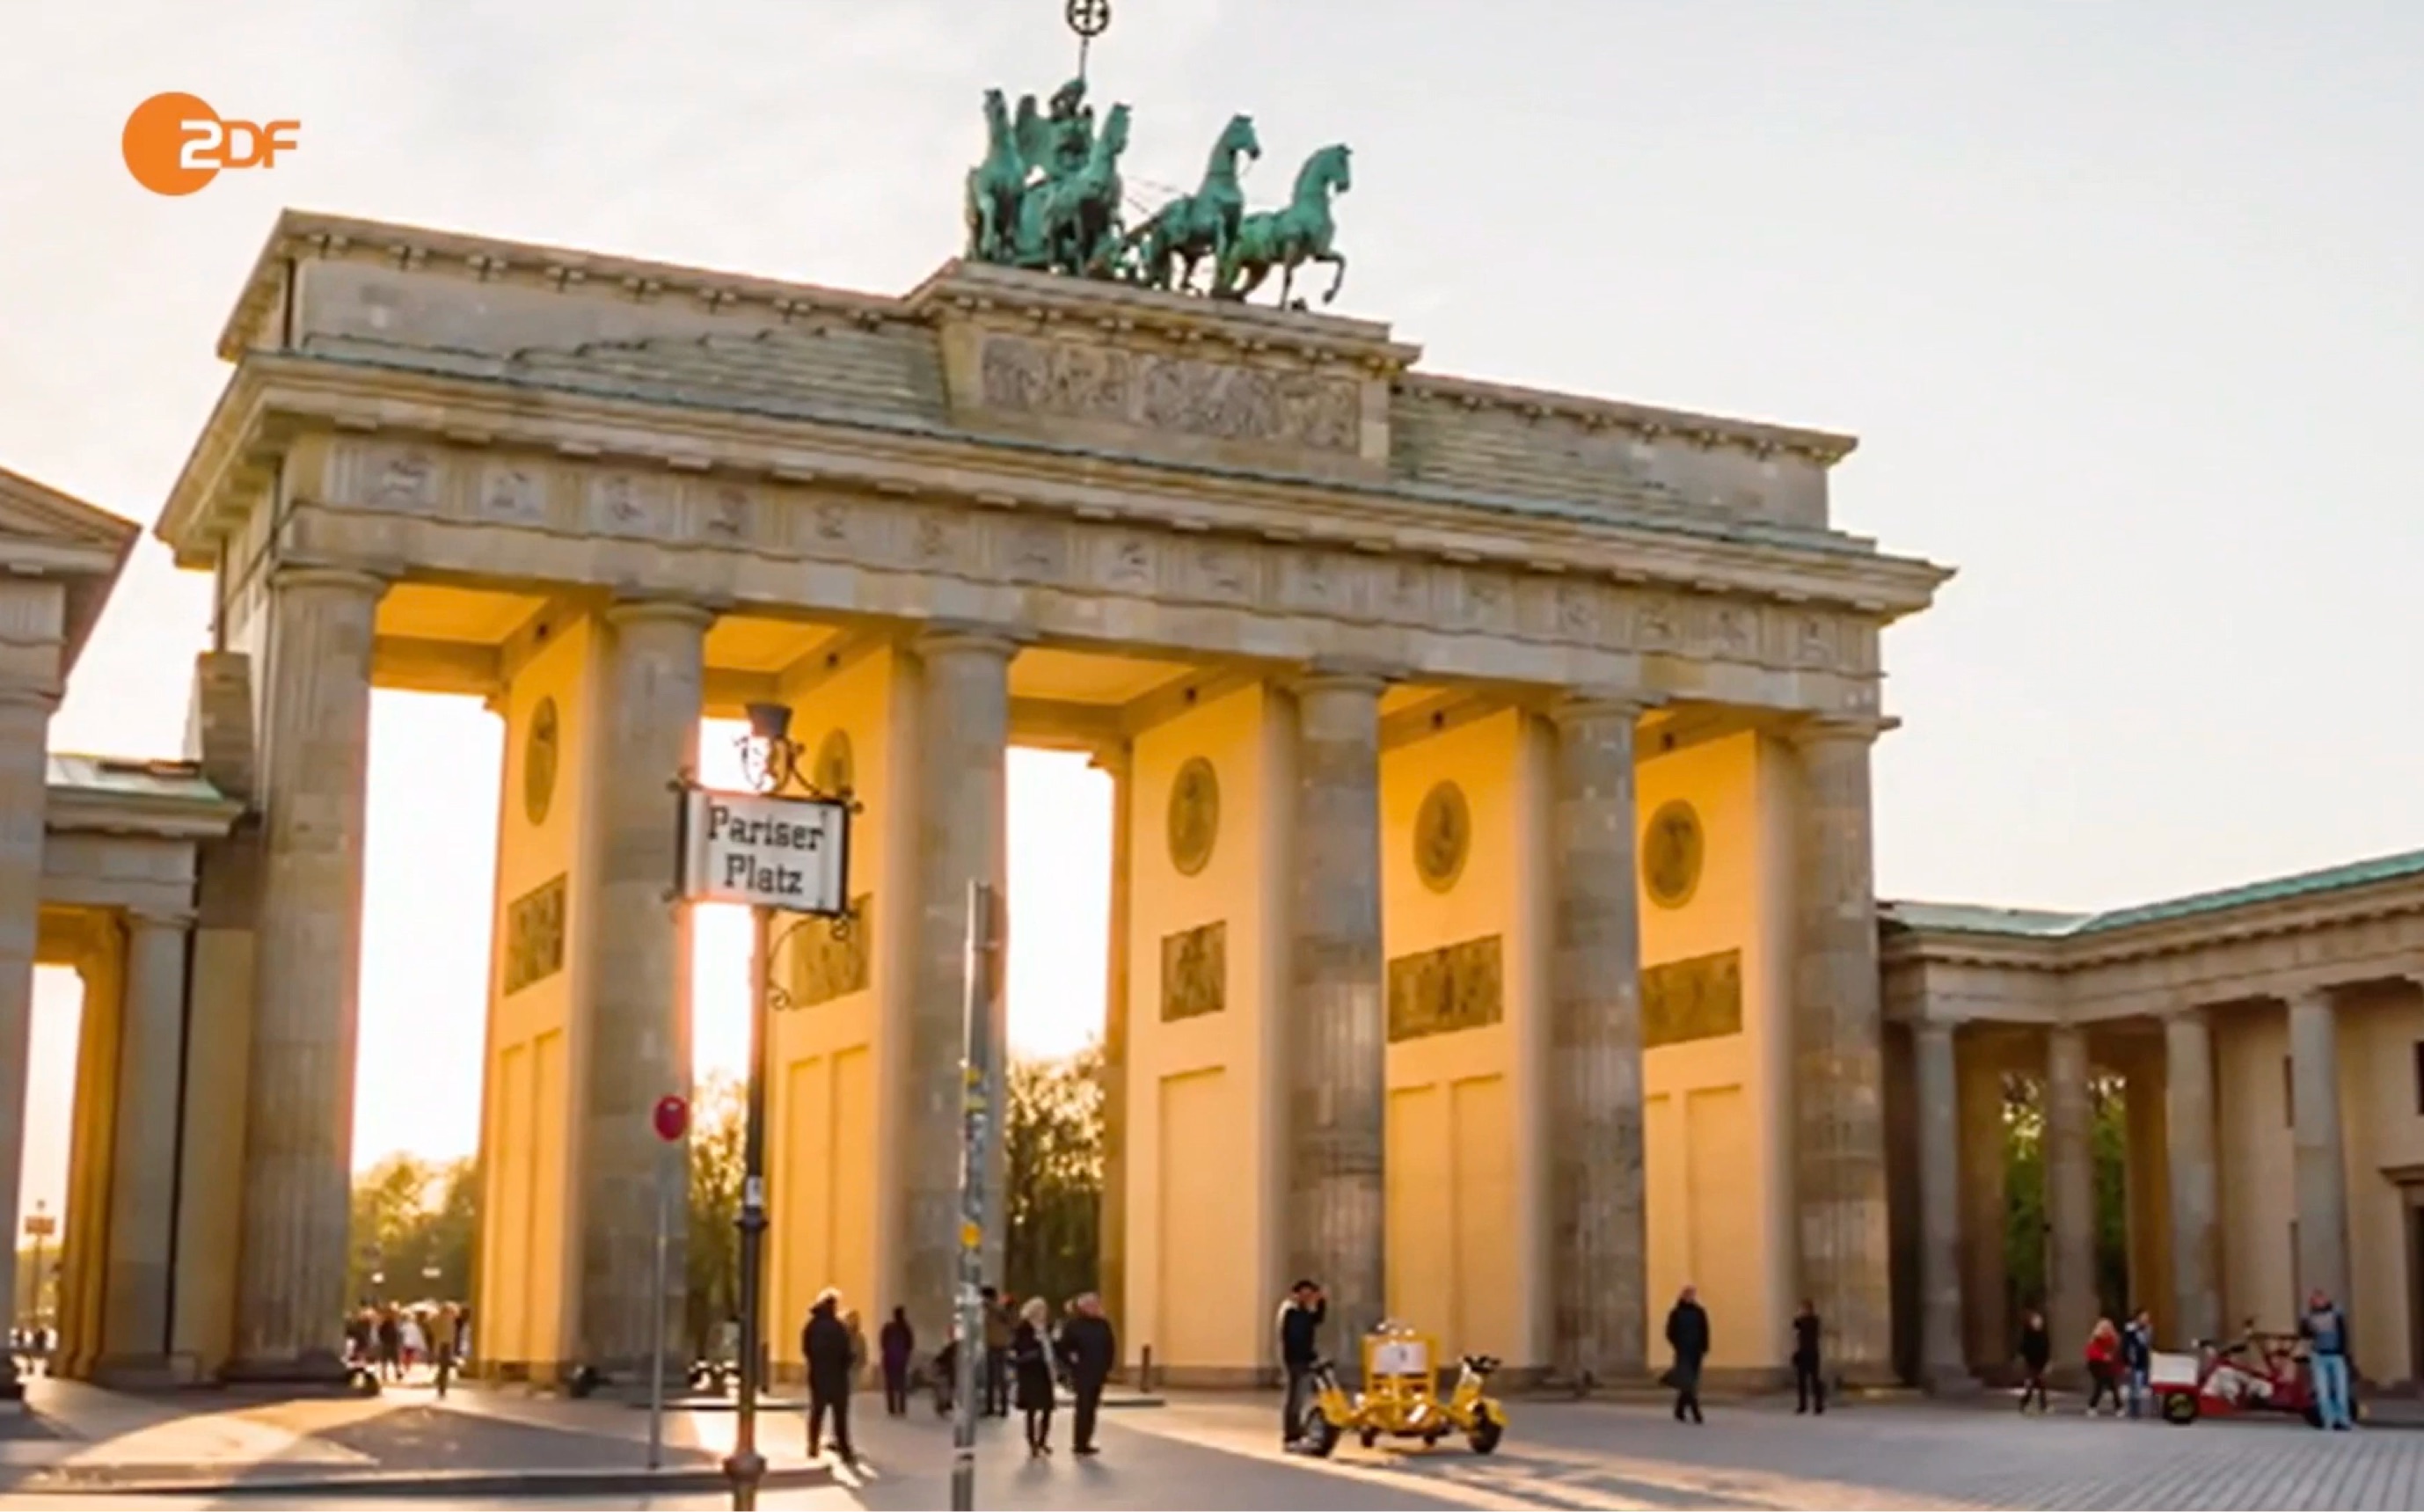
(1320, 1434)
(1486, 1431)
(2179, 1408)
(1368, 1437)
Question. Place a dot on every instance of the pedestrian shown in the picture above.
(390, 1343)
(1088, 1350)
(1687, 1334)
(857, 1346)
(1030, 1362)
(1807, 1382)
(2138, 1357)
(824, 1344)
(2036, 1351)
(895, 1344)
(2103, 1366)
(997, 1321)
(2325, 1330)
(443, 1331)
(1299, 1329)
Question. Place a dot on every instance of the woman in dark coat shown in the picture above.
(1031, 1365)
(895, 1345)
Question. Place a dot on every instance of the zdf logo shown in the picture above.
(175, 143)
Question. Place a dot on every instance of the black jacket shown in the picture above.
(1299, 1332)
(825, 1345)
(2036, 1347)
(1805, 1341)
(1089, 1349)
(1031, 1365)
(1687, 1331)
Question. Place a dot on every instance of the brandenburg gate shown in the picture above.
(1492, 928)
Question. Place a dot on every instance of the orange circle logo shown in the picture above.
(159, 143)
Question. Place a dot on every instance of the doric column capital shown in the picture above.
(624, 613)
(176, 920)
(1821, 731)
(1932, 1030)
(968, 638)
(2323, 999)
(343, 580)
(1343, 675)
(1582, 706)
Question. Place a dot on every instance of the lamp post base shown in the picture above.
(745, 1469)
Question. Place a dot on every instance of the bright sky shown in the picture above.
(2122, 300)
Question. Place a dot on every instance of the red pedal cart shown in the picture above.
(2261, 1373)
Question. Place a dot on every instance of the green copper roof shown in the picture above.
(132, 777)
(1962, 918)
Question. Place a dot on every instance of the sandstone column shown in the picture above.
(1984, 1182)
(2196, 1177)
(1839, 1053)
(2070, 1196)
(1597, 1241)
(2321, 1180)
(1335, 1054)
(1112, 1238)
(960, 794)
(135, 1344)
(636, 1041)
(1941, 1365)
(24, 726)
(315, 715)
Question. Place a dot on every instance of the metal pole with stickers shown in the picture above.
(782, 849)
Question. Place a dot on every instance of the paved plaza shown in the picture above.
(1197, 1451)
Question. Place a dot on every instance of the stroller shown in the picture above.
(942, 1374)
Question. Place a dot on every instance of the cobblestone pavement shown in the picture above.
(1220, 1452)
(1886, 1455)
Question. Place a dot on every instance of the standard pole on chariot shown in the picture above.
(1089, 19)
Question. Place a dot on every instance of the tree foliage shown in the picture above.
(2026, 1236)
(1053, 1147)
(412, 1218)
(718, 1127)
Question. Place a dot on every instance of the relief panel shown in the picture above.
(1195, 971)
(534, 935)
(1698, 998)
(1438, 992)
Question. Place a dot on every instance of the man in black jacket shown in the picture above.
(825, 1345)
(1687, 1333)
(1088, 1352)
(1300, 1325)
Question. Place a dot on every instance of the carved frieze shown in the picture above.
(1159, 392)
(1180, 565)
(1699, 998)
(1195, 971)
(1460, 986)
(534, 935)
(513, 493)
(832, 962)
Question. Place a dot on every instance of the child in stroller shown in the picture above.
(943, 1374)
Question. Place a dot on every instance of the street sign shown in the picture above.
(791, 853)
(40, 1226)
(671, 1118)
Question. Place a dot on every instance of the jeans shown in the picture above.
(1292, 1405)
(2137, 1389)
(838, 1406)
(1808, 1385)
(2332, 1390)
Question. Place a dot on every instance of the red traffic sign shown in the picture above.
(671, 1118)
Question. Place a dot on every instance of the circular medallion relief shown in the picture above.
(1194, 816)
(1442, 836)
(538, 762)
(836, 773)
(1671, 849)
